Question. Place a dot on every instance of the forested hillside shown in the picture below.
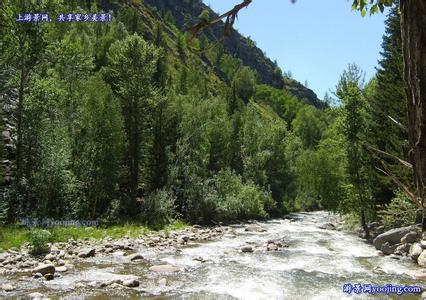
(132, 120)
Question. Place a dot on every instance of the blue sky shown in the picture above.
(314, 39)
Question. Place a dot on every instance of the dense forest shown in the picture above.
(134, 120)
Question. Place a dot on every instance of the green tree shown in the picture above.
(244, 84)
(99, 144)
(387, 112)
(349, 90)
(131, 69)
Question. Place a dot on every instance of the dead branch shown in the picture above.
(230, 19)
(401, 161)
(405, 188)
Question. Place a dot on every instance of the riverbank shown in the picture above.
(13, 237)
(259, 260)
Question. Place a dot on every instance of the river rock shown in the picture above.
(410, 237)
(35, 295)
(60, 262)
(131, 283)
(88, 252)
(61, 269)
(255, 228)
(162, 282)
(49, 276)
(423, 244)
(136, 256)
(3, 257)
(421, 260)
(50, 257)
(328, 226)
(199, 258)
(119, 253)
(80, 285)
(247, 249)
(7, 287)
(272, 247)
(415, 251)
(164, 268)
(389, 249)
(44, 269)
(402, 249)
(110, 282)
(392, 237)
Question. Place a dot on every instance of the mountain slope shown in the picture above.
(186, 13)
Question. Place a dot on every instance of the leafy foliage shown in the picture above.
(401, 211)
(39, 241)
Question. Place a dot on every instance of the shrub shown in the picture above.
(238, 200)
(401, 211)
(39, 241)
(158, 208)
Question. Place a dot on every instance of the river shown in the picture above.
(315, 265)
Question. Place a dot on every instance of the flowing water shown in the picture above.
(316, 265)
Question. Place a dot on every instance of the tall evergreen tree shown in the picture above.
(349, 90)
(387, 111)
(132, 65)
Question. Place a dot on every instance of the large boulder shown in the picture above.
(415, 251)
(421, 260)
(410, 237)
(392, 237)
(44, 269)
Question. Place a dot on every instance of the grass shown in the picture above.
(14, 236)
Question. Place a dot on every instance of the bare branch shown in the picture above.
(405, 188)
(401, 161)
(230, 19)
(402, 126)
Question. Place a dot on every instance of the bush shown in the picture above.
(401, 211)
(39, 241)
(159, 208)
(238, 200)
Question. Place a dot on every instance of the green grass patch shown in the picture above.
(16, 236)
(12, 237)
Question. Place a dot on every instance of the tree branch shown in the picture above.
(230, 19)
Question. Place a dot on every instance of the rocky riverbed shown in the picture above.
(302, 257)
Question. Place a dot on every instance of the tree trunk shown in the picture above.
(19, 116)
(413, 29)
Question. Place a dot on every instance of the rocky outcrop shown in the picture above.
(391, 237)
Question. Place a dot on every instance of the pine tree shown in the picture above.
(387, 111)
(132, 65)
